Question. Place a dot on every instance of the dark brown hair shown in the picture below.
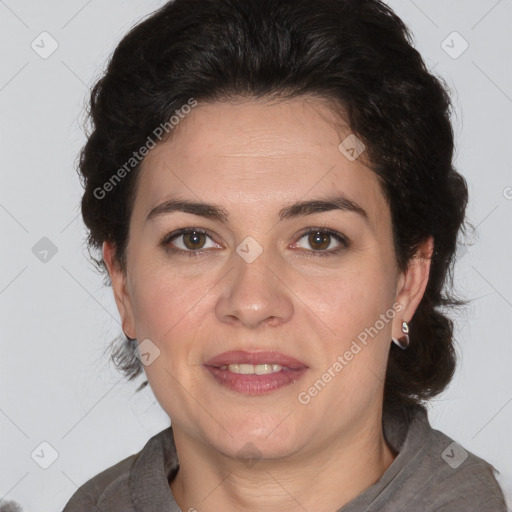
(356, 53)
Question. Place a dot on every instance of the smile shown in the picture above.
(252, 369)
(255, 372)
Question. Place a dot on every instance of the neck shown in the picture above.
(323, 479)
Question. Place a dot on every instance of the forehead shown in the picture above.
(257, 153)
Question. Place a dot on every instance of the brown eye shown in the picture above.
(319, 240)
(188, 241)
(194, 240)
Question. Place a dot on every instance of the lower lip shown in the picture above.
(256, 384)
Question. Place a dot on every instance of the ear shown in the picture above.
(412, 284)
(118, 279)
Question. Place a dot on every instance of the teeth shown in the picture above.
(253, 369)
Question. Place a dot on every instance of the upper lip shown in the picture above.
(254, 358)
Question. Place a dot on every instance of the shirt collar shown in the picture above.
(154, 467)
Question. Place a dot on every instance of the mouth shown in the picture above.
(253, 369)
(255, 373)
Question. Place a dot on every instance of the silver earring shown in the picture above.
(403, 341)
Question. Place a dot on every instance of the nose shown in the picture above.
(254, 294)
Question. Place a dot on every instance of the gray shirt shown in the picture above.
(430, 473)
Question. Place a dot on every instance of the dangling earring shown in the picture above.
(403, 342)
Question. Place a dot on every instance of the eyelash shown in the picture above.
(345, 243)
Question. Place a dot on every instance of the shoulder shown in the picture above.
(119, 487)
(452, 478)
(472, 486)
(465, 481)
(110, 487)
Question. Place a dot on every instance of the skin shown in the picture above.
(253, 158)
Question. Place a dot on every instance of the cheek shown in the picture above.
(164, 301)
(352, 301)
(358, 309)
(360, 313)
(168, 309)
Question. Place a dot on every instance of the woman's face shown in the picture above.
(253, 288)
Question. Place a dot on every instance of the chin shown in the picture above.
(256, 438)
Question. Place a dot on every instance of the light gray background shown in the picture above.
(57, 318)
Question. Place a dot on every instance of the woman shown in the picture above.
(271, 185)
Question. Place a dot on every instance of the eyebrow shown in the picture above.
(214, 212)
